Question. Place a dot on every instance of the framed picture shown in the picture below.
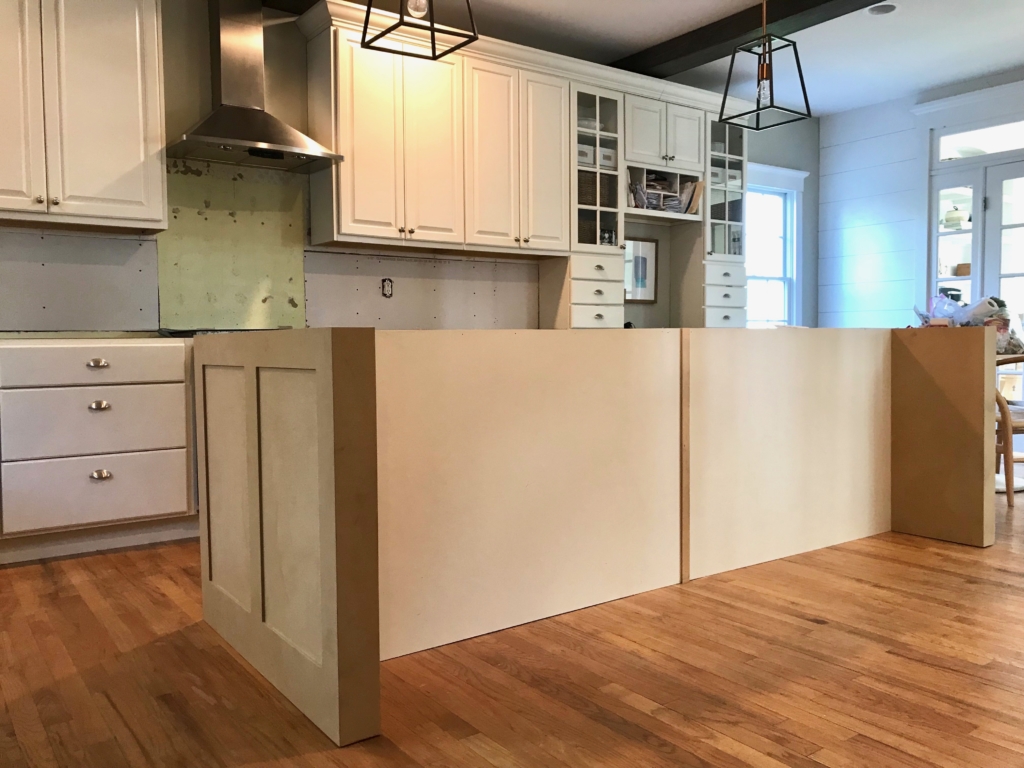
(641, 270)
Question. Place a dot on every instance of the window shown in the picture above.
(771, 257)
(983, 141)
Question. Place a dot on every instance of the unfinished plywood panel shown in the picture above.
(344, 289)
(77, 281)
(943, 439)
(788, 442)
(306, 485)
(232, 254)
(522, 474)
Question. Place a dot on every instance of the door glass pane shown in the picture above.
(735, 240)
(735, 173)
(718, 204)
(609, 228)
(1013, 202)
(587, 187)
(1013, 251)
(587, 226)
(766, 301)
(586, 150)
(955, 255)
(609, 153)
(735, 140)
(735, 206)
(609, 191)
(957, 290)
(985, 141)
(609, 116)
(718, 238)
(718, 138)
(955, 206)
(586, 111)
(1011, 290)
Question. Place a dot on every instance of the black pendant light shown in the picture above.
(768, 113)
(416, 20)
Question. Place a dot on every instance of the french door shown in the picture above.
(1003, 269)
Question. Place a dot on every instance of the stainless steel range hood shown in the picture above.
(240, 131)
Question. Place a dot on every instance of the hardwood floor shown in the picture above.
(886, 652)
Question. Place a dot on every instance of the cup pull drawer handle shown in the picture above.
(726, 295)
(726, 317)
(599, 267)
(599, 292)
(727, 274)
(101, 474)
(599, 316)
(99, 405)
(97, 362)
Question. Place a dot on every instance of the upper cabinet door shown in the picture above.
(23, 157)
(545, 161)
(434, 182)
(104, 108)
(370, 179)
(645, 131)
(492, 154)
(685, 138)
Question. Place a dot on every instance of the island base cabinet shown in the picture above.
(288, 488)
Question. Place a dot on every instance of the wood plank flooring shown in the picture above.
(891, 652)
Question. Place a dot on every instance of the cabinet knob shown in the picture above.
(101, 474)
(40, 199)
(526, 239)
(402, 230)
(623, 246)
(412, 231)
(517, 239)
(97, 362)
(55, 201)
(99, 405)
(672, 158)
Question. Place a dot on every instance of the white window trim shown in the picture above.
(790, 181)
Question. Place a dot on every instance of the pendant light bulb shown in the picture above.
(764, 91)
(417, 8)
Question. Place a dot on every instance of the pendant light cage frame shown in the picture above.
(426, 25)
(764, 49)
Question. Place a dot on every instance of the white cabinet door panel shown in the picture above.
(492, 154)
(545, 161)
(645, 131)
(685, 137)
(104, 108)
(434, 182)
(23, 154)
(370, 180)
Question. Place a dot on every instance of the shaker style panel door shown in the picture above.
(371, 193)
(23, 158)
(645, 131)
(434, 182)
(104, 108)
(685, 148)
(545, 161)
(492, 154)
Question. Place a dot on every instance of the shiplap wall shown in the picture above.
(872, 223)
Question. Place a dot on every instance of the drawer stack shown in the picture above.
(91, 432)
(598, 293)
(725, 294)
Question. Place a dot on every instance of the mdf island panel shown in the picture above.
(522, 474)
(787, 435)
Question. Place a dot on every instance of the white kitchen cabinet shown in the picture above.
(82, 78)
(664, 135)
(545, 145)
(598, 181)
(23, 159)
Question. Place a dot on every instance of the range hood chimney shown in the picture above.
(240, 131)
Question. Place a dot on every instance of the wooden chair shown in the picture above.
(1009, 422)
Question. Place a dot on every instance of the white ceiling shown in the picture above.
(860, 59)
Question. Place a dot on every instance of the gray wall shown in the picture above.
(796, 146)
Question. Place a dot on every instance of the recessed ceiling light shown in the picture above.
(882, 9)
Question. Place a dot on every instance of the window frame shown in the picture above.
(789, 184)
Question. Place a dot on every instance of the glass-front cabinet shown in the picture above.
(598, 178)
(726, 188)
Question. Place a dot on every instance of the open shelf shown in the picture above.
(662, 194)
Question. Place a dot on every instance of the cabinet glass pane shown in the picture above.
(718, 238)
(1011, 290)
(718, 171)
(735, 206)
(1013, 202)
(718, 204)
(957, 290)
(955, 206)
(609, 115)
(718, 138)
(609, 190)
(586, 226)
(955, 255)
(735, 240)
(735, 173)
(1013, 251)
(609, 153)
(587, 188)
(586, 150)
(586, 111)
(609, 228)
(735, 140)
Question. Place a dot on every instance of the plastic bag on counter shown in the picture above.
(944, 308)
(978, 312)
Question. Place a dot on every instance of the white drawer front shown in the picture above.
(76, 362)
(60, 493)
(596, 292)
(597, 267)
(724, 317)
(724, 273)
(598, 317)
(724, 296)
(48, 423)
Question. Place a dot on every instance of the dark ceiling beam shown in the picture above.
(717, 40)
(298, 7)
